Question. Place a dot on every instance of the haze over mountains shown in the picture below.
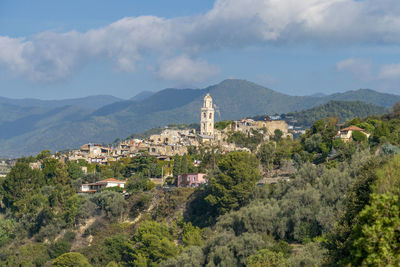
(30, 126)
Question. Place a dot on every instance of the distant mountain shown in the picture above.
(70, 127)
(142, 96)
(367, 96)
(344, 110)
(89, 102)
(318, 95)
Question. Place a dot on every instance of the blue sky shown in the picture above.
(63, 49)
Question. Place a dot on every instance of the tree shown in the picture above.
(177, 166)
(266, 155)
(71, 259)
(74, 170)
(267, 258)
(21, 182)
(377, 234)
(154, 243)
(234, 182)
(359, 136)
(278, 135)
(191, 235)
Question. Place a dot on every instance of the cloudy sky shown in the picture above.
(58, 49)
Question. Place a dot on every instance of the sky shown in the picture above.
(52, 49)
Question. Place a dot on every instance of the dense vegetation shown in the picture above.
(345, 110)
(29, 130)
(331, 204)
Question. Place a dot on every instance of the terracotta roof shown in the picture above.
(111, 180)
(352, 128)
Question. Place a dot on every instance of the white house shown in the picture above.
(95, 187)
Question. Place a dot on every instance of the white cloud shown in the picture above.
(359, 67)
(185, 70)
(390, 72)
(51, 56)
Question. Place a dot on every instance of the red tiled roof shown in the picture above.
(111, 180)
(352, 128)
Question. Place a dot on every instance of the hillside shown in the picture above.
(89, 102)
(314, 201)
(345, 110)
(233, 99)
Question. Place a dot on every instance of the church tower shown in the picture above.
(207, 117)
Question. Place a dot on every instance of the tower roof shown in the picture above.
(207, 96)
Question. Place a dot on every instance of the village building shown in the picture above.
(97, 186)
(267, 127)
(207, 119)
(346, 133)
(191, 179)
(167, 150)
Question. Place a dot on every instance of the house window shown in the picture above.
(194, 178)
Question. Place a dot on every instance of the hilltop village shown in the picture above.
(186, 196)
(171, 142)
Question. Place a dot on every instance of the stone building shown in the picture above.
(246, 125)
(207, 117)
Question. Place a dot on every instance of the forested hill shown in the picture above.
(313, 201)
(345, 110)
(57, 130)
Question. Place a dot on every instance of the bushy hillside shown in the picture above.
(334, 203)
(89, 102)
(345, 110)
(233, 99)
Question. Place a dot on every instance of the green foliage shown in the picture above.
(267, 258)
(7, 231)
(145, 165)
(116, 247)
(233, 184)
(153, 242)
(32, 255)
(71, 259)
(376, 235)
(62, 245)
(21, 183)
(311, 254)
(112, 203)
(345, 110)
(358, 196)
(388, 178)
(251, 140)
(266, 155)
(221, 125)
(359, 136)
(138, 183)
(191, 235)
(74, 170)
(193, 256)
(277, 135)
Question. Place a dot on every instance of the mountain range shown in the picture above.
(29, 126)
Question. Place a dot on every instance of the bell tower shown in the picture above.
(207, 117)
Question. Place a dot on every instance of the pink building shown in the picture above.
(191, 179)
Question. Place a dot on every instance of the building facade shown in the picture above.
(207, 117)
(191, 179)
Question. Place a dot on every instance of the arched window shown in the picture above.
(204, 115)
(210, 116)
